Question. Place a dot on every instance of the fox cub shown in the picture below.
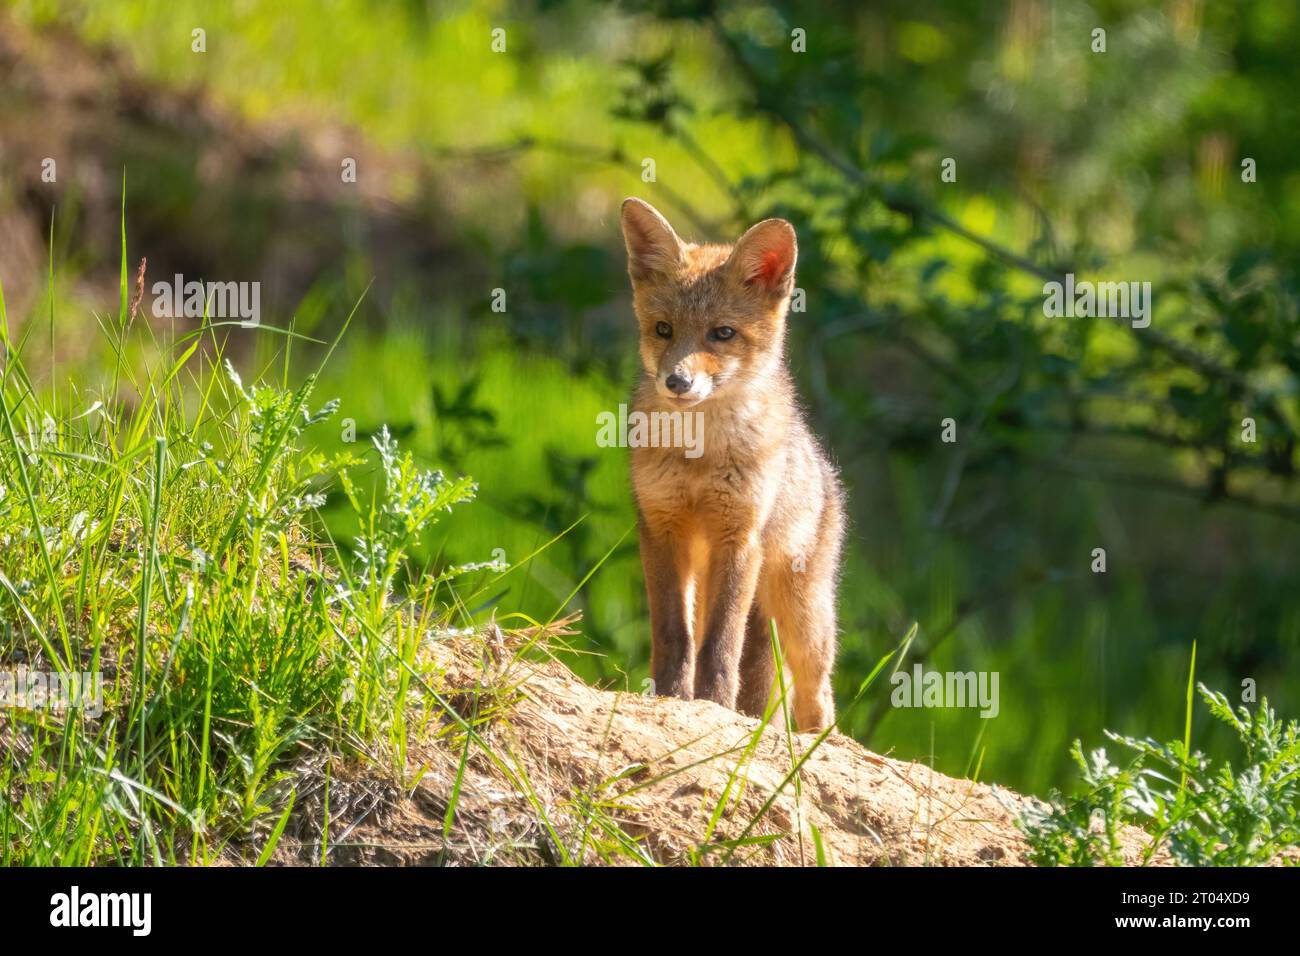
(749, 529)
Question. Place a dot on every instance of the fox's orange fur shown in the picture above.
(751, 529)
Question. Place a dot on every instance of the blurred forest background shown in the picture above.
(480, 169)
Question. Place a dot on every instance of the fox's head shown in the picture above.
(712, 318)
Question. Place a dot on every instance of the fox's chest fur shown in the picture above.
(733, 475)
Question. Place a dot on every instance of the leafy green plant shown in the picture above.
(1202, 814)
(161, 532)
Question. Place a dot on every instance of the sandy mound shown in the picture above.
(577, 774)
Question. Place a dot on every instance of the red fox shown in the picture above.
(749, 528)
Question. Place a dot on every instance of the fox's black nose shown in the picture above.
(677, 385)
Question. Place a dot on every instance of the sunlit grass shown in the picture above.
(160, 533)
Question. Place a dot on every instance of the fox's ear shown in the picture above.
(764, 257)
(652, 246)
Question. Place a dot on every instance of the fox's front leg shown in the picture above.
(672, 653)
(731, 581)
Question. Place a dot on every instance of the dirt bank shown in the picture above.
(578, 774)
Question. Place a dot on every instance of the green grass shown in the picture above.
(160, 530)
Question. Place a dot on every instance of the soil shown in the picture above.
(659, 768)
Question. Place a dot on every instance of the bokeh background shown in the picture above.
(480, 169)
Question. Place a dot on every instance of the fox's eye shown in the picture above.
(664, 330)
(723, 332)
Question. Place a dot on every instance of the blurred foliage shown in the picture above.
(924, 302)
